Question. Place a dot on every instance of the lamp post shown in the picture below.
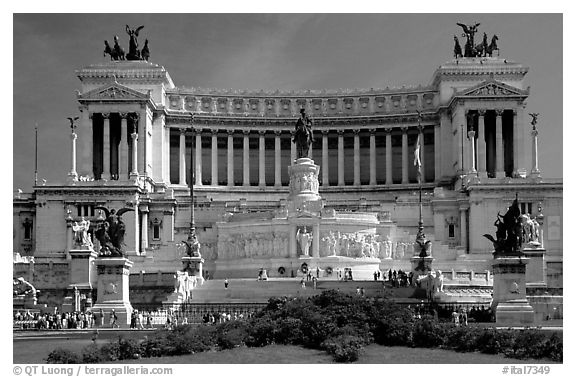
(193, 260)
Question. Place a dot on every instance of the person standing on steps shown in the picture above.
(225, 283)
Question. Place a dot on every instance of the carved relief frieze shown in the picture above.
(175, 102)
(190, 103)
(222, 105)
(493, 89)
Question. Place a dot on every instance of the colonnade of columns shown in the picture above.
(124, 155)
(371, 165)
(475, 151)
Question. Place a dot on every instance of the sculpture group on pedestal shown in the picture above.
(303, 136)
(471, 50)
(509, 233)
(110, 233)
(81, 236)
(304, 239)
(117, 52)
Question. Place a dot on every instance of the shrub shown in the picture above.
(262, 332)
(231, 334)
(63, 356)
(492, 341)
(201, 338)
(554, 348)
(288, 331)
(534, 344)
(343, 348)
(156, 346)
(316, 328)
(91, 354)
(462, 339)
(393, 332)
(428, 333)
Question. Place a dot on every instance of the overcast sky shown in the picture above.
(259, 51)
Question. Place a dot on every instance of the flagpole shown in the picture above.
(36, 157)
(420, 235)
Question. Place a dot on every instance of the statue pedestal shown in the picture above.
(304, 186)
(509, 295)
(536, 268)
(82, 267)
(113, 288)
(193, 265)
(420, 267)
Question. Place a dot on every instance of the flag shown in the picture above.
(417, 161)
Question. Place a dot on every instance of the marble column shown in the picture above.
(292, 149)
(123, 155)
(535, 170)
(136, 228)
(481, 145)
(389, 180)
(340, 157)
(499, 145)
(463, 228)
(246, 159)
(459, 125)
(520, 163)
(438, 151)
(356, 157)
(471, 138)
(277, 159)
(198, 158)
(261, 159)
(106, 147)
(182, 154)
(372, 181)
(139, 121)
(422, 155)
(324, 167)
(404, 155)
(86, 142)
(230, 157)
(134, 172)
(214, 180)
(73, 175)
(144, 224)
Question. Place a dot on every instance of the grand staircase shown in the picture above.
(254, 291)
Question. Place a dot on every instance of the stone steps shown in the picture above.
(253, 291)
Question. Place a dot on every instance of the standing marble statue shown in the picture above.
(81, 236)
(305, 240)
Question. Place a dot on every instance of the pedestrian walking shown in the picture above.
(225, 283)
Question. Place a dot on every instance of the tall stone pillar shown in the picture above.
(422, 154)
(86, 142)
(182, 154)
(437, 153)
(292, 149)
(230, 158)
(123, 155)
(246, 159)
(277, 159)
(140, 121)
(134, 172)
(214, 180)
(372, 181)
(356, 157)
(520, 162)
(404, 155)
(144, 225)
(463, 228)
(73, 175)
(471, 138)
(198, 158)
(340, 157)
(460, 126)
(261, 159)
(325, 171)
(499, 145)
(389, 180)
(136, 228)
(535, 173)
(481, 145)
(106, 147)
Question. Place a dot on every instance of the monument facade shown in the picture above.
(263, 201)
